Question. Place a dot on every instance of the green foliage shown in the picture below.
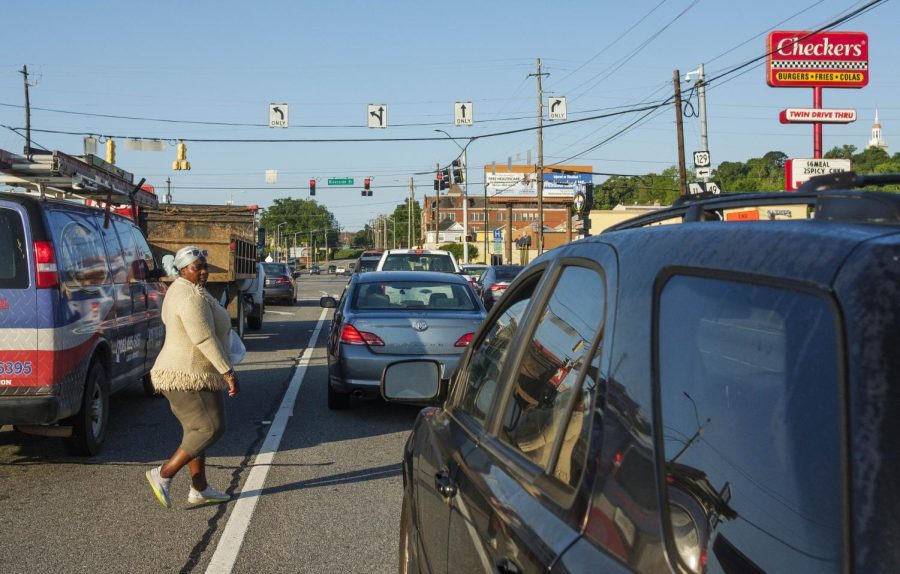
(363, 238)
(457, 250)
(347, 254)
(400, 217)
(301, 217)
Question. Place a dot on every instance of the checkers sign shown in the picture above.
(824, 59)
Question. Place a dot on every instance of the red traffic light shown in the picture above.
(440, 176)
(312, 187)
(367, 182)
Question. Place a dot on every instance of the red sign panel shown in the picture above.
(825, 59)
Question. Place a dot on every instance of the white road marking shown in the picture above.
(278, 312)
(229, 545)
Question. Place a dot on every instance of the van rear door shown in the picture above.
(18, 303)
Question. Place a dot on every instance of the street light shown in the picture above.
(465, 197)
(278, 239)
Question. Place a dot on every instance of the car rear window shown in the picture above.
(370, 264)
(507, 273)
(419, 262)
(14, 262)
(275, 269)
(412, 295)
(750, 398)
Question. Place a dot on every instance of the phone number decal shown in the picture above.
(15, 368)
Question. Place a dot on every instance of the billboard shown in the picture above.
(826, 59)
(521, 183)
(797, 171)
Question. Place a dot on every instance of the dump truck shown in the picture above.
(228, 233)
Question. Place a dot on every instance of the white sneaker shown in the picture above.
(207, 496)
(160, 486)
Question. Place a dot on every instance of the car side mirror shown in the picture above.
(415, 381)
(328, 302)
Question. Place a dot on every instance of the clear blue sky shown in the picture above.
(225, 61)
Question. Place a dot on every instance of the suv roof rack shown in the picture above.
(833, 197)
(68, 177)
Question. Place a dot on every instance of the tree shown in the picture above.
(842, 152)
(457, 250)
(304, 220)
(399, 223)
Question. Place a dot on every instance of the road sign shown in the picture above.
(699, 187)
(341, 181)
(797, 171)
(824, 59)
(695, 188)
(556, 106)
(712, 187)
(377, 116)
(278, 115)
(701, 159)
(498, 234)
(702, 172)
(463, 114)
(816, 116)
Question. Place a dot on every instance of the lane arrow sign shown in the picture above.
(377, 116)
(557, 108)
(463, 114)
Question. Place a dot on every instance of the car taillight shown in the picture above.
(464, 340)
(283, 279)
(498, 287)
(350, 336)
(45, 275)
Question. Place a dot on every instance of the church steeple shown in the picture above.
(877, 140)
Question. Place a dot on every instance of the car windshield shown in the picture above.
(419, 295)
(419, 262)
(474, 272)
(507, 273)
(275, 268)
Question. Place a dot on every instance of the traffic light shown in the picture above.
(437, 184)
(181, 161)
(312, 187)
(367, 191)
(458, 171)
(445, 178)
(110, 151)
(588, 198)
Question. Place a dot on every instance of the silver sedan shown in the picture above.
(389, 316)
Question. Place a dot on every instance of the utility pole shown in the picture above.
(24, 73)
(540, 158)
(409, 214)
(465, 203)
(701, 95)
(682, 174)
(437, 211)
(168, 190)
(487, 261)
(384, 240)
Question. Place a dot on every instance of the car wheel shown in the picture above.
(89, 424)
(338, 401)
(255, 321)
(407, 563)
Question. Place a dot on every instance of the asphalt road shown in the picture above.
(330, 501)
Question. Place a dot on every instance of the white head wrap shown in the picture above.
(182, 258)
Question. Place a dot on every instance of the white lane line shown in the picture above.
(229, 545)
(278, 312)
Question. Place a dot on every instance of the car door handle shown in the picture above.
(507, 566)
(444, 485)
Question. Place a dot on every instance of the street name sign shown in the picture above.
(822, 59)
(816, 116)
(278, 115)
(556, 107)
(377, 116)
(463, 114)
(797, 171)
(341, 181)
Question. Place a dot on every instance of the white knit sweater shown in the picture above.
(194, 355)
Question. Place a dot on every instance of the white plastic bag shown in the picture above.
(236, 348)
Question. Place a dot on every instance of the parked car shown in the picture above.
(339, 270)
(80, 319)
(388, 316)
(332, 269)
(494, 281)
(418, 260)
(279, 284)
(714, 396)
(255, 300)
(315, 270)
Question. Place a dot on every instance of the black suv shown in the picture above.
(712, 396)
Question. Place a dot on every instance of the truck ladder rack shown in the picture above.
(72, 177)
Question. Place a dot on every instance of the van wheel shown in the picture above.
(338, 401)
(89, 424)
(241, 321)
